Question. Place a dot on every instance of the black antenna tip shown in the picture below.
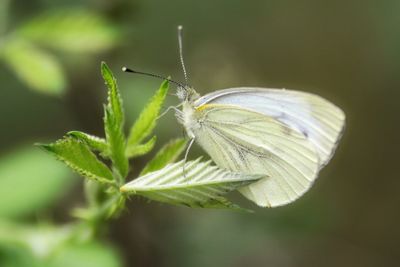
(125, 69)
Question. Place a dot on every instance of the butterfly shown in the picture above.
(286, 135)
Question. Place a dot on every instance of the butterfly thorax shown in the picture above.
(188, 118)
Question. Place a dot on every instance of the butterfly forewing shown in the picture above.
(317, 119)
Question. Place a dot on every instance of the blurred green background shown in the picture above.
(345, 51)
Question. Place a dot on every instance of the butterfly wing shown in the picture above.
(246, 141)
(317, 119)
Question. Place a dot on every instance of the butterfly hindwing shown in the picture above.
(246, 141)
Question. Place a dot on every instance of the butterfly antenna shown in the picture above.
(180, 29)
(125, 69)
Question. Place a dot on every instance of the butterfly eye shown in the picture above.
(181, 93)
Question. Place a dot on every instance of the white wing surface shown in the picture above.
(317, 119)
(245, 141)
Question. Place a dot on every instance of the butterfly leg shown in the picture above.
(186, 155)
(170, 108)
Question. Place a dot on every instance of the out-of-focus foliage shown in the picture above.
(93, 254)
(75, 30)
(50, 246)
(29, 182)
(38, 69)
(41, 240)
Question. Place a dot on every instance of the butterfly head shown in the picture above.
(187, 94)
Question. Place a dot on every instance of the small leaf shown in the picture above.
(139, 150)
(38, 69)
(201, 185)
(116, 143)
(70, 30)
(114, 123)
(167, 154)
(146, 122)
(78, 157)
(114, 97)
(94, 142)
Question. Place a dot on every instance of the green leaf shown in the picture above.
(167, 154)
(146, 121)
(114, 97)
(38, 69)
(116, 143)
(78, 157)
(114, 123)
(193, 184)
(94, 142)
(139, 150)
(30, 181)
(71, 31)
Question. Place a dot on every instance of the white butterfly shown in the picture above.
(286, 135)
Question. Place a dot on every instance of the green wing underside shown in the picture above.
(245, 141)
